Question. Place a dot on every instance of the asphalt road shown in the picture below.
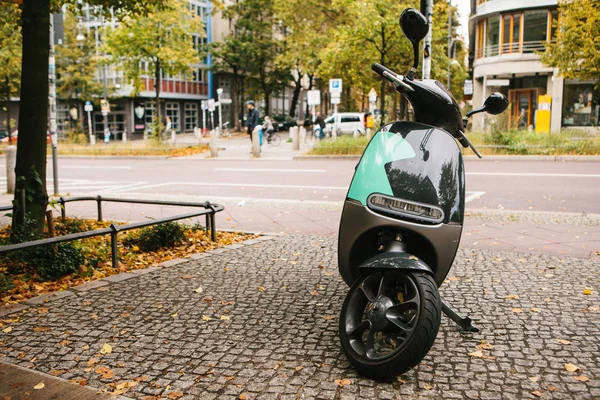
(509, 185)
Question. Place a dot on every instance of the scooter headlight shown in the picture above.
(405, 208)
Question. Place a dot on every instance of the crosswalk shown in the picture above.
(86, 186)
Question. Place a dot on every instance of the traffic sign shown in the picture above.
(211, 105)
(468, 87)
(204, 105)
(226, 101)
(313, 97)
(104, 106)
(336, 100)
(335, 86)
(372, 96)
(88, 106)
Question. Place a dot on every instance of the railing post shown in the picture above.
(63, 211)
(113, 245)
(213, 229)
(99, 201)
(208, 221)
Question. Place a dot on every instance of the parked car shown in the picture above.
(346, 123)
(284, 122)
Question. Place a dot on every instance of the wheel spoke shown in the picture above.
(359, 329)
(395, 313)
(370, 346)
(368, 287)
(384, 284)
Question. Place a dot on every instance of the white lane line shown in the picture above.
(242, 185)
(270, 170)
(117, 189)
(93, 167)
(473, 196)
(534, 174)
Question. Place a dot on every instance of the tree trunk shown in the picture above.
(395, 106)
(295, 95)
(267, 94)
(402, 107)
(30, 168)
(8, 126)
(310, 86)
(157, 113)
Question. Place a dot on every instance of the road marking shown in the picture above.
(102, 167)
(473, 196)
(269, 170)
(242, 185)
(534, 174)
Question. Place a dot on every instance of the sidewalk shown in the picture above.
(265, 327)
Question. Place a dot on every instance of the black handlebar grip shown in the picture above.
(380, 69)
(463, 140)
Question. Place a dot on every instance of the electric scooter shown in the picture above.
(401, 224)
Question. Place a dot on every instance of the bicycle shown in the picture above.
(273, 138)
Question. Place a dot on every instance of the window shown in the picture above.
(492, 36)
(149, 106)
(191, 116)
(536, 30)
(173, 113)
(553, 20)
(511, 33)
(351, 118)
(116, 123)
(480, 32)
(580, 104)
(62, 117)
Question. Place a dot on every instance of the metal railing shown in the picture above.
(512, 48)
(209, 211)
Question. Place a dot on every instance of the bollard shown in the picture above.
(355, 133)
(302, 134)
(173, 137)
(295, 138)
(334, 133)
(11, 161)
(145, 135)
(255, 143)
(214, 148)
(368, 133)
(124, 137)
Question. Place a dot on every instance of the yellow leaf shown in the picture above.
(7, 330)
(533, 309)
(571, 368)
(39, 386)
(478, 354)
(225, 317)
(242, 397)
(298, 368)
(517, 310)
(581, 378)
(205, 318)
(106, 349)
(262, 289)
(537, 393)
(199, 290)
(427, 386)
(343, 382)
(512, 297)
(135, 248)
(174, 315)
(561, 341)
(587, 291)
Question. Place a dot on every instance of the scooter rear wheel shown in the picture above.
(389, 321)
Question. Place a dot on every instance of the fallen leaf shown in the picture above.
(561, 341)
(175, 395)
(517, 310)
(199, 290)
(39, 386)
(552, 388)
(205, 318)
(56, 372)
(537, 393)
(225, 317)
(106, 349)
(174, 315)
(299, 368)
(242, 397)
(478, 354)
(135, 248)
(581, 378)
(512, 297)
(343, 382)
(124, 314)
(587, 291)
(262, 289)
(328, 317)
(533, 309)
(41, 328)
(454, 278)
(484, 346)
(427, 386)
(7, 330)
(571, 368)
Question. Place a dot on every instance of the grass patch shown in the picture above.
(134, 148)
(26, 275)
(568, 142)
(343, 145)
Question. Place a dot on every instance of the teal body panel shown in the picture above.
(370, 176)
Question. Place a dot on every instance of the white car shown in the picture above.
(346, 122)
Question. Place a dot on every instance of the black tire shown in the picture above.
(400, 328)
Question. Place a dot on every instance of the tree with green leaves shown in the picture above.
(161, 41)
(30, 168)
(10, 56)
(76, 64)
(576, 51)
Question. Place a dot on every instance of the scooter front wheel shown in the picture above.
(389, 321)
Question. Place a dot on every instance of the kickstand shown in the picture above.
(464, 323)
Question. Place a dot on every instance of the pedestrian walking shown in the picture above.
(251, 118)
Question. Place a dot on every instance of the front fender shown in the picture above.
(396, 260)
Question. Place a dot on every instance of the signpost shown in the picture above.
(313, 98)
(204, 107)
(335, 92)
(211, 110)
(88, 109)
(219, 93)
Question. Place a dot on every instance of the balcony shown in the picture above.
(511, 48)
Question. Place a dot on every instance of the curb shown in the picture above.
(109, 280)
(467, 157)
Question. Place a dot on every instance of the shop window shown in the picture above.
(191, 116)
(580, 105)
(149, 106)
(172, 110)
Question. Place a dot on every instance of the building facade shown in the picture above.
(506, 38)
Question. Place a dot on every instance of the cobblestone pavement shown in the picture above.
(260, 320)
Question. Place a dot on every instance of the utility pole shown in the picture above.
(427, 11)
(52, 106)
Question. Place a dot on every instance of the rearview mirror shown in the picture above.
(415, 27)
(495, 104)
